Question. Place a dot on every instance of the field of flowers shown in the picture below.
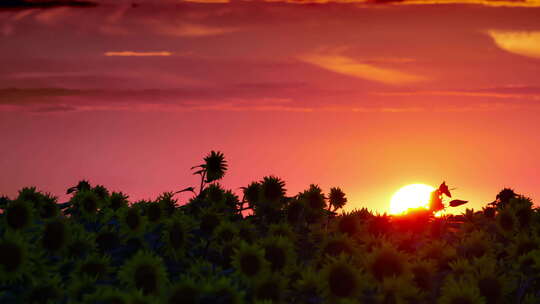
(262, 247)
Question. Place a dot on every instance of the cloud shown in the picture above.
(505, 92)
(350, 67)
(25, 4)
(522, 43)
(190, 30)
(138, 54)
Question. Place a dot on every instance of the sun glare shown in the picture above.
(410, 196)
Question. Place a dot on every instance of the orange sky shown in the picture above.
(361, 95)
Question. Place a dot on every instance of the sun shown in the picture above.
(410, 196)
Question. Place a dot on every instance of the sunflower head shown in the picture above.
(270, 287)
(313, 197)
(55, 236)
(93, 266)
(476, 244)
(247, 231)
(117, 200)
(88, 203)
(144, 271)
(506, 221)
(334, 245)
(15, 259)
(167, 202)
(423, 272)
(225, 232)
(215, 166)
(348, 224)
(281, 229)
(309, 285)
(460, 292)
(399, 290)
(153, 212)
(439, 251)
(279, 252)
(107, 240)
(80, 243)
(132, 222)
(19, 215)
(223, 290)
(249, 261)
(386, 261)
(251, 193)
(342, 279)
(337, 198)
(176, 235)
(45, 290)
(185, 290)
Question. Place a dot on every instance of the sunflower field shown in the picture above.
(261, 247)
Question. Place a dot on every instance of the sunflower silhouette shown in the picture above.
(144, 272)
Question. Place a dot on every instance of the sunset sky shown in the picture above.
(366, 95)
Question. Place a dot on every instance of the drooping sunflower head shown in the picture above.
(460, 292)
(94, 266)
(279, 252)
(19, 215)
(185, 291)
(15, 258)
(386, 261)
(249, 261)
(342, 279)
(144, 271)
(56, 235)
(348, 224)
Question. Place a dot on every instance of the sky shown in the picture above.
(365, 95)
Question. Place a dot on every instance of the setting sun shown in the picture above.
(410, 196)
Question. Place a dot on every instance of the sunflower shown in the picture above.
(336, 244)
(56, 235)
(214, 166)
(272, 189)
(145, 272)
(337, 198)
(506, 221)
(88, 204)
(399, 290)
(107, 240)
(80, 243)
(252, 193)
(341, 279)
(523, 244)
(249, 261)
(247, 231)
(309, 285)
(93, 266)
(315, 201)
(386, 261)
(270, 287)
(79, 289)
(46, 290)
(109, 295)
(201, 269)
(424, 272)
(132, 223)
(117, 200)
(439, 251)
(19, 215)
(153, 212)
(460, 291)
(167, 202)
(476, 244)
(223, 290)
(185, 291)
(282, 229)
(460, 268)
(494, 286)
(225, 232)
(209, 220)
(15, 258)
(176, 235)
(348, 224)
(49, 207)
(279, 252)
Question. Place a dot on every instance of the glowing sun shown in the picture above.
(410, 196)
